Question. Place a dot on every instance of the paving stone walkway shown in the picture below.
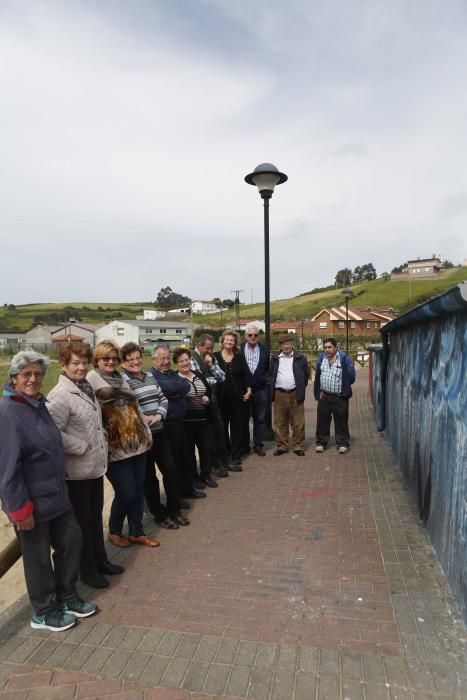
(300, 578)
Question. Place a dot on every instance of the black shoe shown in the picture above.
(197, 494)
(246, 450)
(221, 472)
(260, 451)
(299, 453)
(106, 567)
(209, 481)
(235, 467)
(95, 580)
(198, 484)
(278, 452)
(184, 505)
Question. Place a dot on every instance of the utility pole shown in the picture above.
(237, 293)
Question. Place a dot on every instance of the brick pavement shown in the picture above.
(299, 578)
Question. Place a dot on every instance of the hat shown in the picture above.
(286, 338)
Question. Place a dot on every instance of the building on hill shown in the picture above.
(421, 267)
(363, 320)
(152, 315)
(203, 306)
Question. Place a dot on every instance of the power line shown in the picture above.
(237, 293)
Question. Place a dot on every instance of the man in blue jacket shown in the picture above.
(335, 375)
(257, 358)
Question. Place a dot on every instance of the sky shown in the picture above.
(126, 131)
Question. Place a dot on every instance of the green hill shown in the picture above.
(401, 295)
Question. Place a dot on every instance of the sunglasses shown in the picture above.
(109, 359)
(252, 335)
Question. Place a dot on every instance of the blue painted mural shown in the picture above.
(419, 390)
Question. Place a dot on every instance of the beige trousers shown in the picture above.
(288, 411)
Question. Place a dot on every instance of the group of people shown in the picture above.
(193, 422)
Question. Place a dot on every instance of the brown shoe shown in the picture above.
(144, 540)
(118, 540)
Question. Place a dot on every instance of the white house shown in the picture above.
(120, 332)
(152, 314)
(203, 306)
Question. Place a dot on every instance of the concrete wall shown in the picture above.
(423, 409)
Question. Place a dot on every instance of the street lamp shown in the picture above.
(266, 176)
(348, 294)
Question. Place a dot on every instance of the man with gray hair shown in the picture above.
(257, 358)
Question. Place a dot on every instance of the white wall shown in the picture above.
(118, 331)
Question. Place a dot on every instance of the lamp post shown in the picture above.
(348, 294)
(266, 176)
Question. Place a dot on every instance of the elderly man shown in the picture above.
(257, 359)
(204, 362)
(290, 374)
(175, 388)
(335, 374)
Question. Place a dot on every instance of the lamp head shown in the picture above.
(348, 294)
(266, 176)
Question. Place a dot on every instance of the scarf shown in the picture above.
(83, 385)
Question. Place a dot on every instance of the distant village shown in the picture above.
(176, 326)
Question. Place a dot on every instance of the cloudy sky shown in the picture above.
(126, 129)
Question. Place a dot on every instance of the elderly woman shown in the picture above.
(154, 404)
(129, 440)
(233, 394)
(34, 495)
(77, 414)
(195, 421)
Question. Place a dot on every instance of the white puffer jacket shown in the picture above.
(79, 420)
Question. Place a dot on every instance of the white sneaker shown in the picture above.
(343, 450)
(319, 448)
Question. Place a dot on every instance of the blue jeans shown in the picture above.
(127, 478)
(257, 405)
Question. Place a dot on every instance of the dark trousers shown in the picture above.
(178, 444)
(198, 434)
(87, 499)
(333, 407)
(220, 453)
(233, 412)
(127, 478)
(161, 454)
(48, 580)
(256, 408)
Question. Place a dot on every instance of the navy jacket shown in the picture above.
(259, 376)
(348, 374)
(175, 388)
(32, 460)
(301, 373)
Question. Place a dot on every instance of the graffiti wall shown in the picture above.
(423, 409)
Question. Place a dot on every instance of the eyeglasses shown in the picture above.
(252, 335)
(28, 375)
(109, 359)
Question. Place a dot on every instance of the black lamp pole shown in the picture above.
(266, 176)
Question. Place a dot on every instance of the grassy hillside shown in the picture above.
(24, 317)
(402, 295)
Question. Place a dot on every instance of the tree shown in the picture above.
(168, 299)
(385, 276)
(217, 302)
(363, 273)
(447, 263)
(398, 269)
(344, 277)
(228, 303)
